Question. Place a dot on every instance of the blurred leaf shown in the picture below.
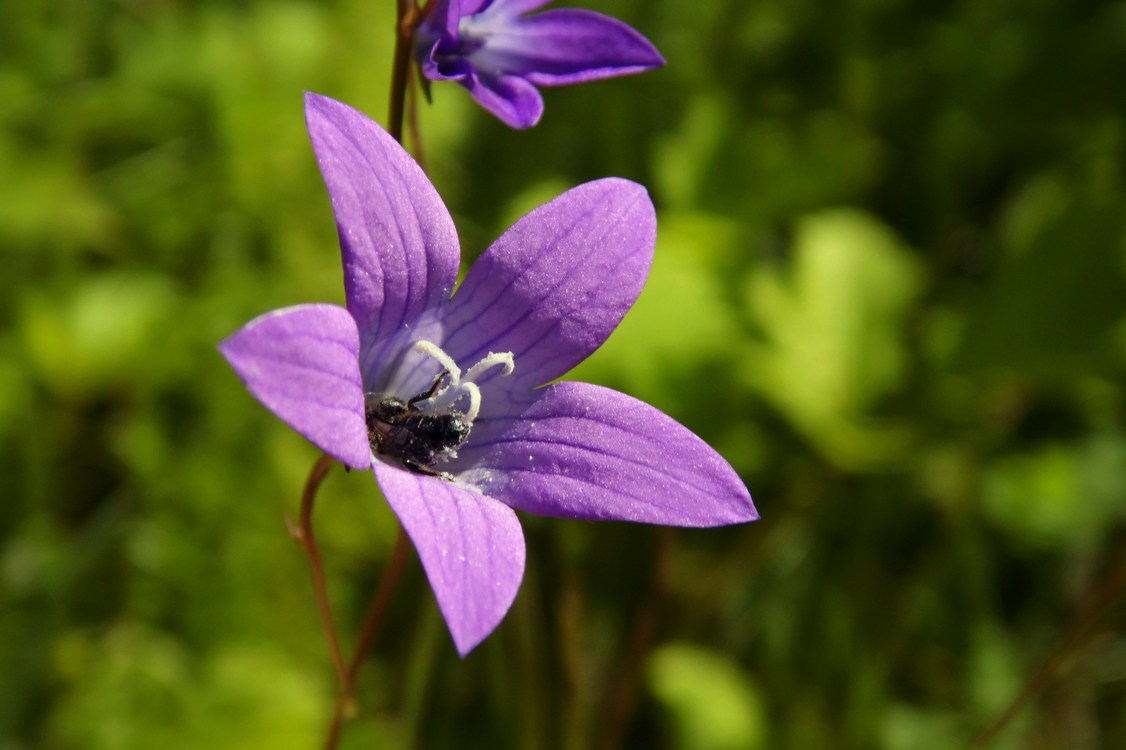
(1060, 495)
(254, 697)
(139, 688)
(911, 728)
(98, 336)
(682, 156)
(262, 55)
(46, 201)
(832, 327)
(131, 691)
(996, 676)
(714, 705)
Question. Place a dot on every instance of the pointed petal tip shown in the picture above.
(746, 512)
(752, 512)
(569, 45)
(650, 57)
(729, 499)
(320, 108)
(315, 102)
(471, 548)
(398, 243)
(732, 508)
(586, 452)
(628, 191)
(464, 644)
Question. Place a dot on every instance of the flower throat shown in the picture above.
(429, 428)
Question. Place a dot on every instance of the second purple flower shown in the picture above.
(501, 55)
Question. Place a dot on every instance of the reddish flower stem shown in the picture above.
(346, 676)
(1111, 591)
(631, 670)
(303, 533)
(377, 608)
(412, 121)
(408, 18)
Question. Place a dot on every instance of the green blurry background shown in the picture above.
(889, 288)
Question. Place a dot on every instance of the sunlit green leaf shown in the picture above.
(98, 335)
(1060, 494)
(833, 327)
(713, 704)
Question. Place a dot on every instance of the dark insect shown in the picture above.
(418, 438)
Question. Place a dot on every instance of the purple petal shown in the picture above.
(556, 284)
(471, 546)
(471, 7)
(301, 363)
(444, 15)
(560, 47)
(399, 245)
(506, 7)
(576, 450)
(511, 99)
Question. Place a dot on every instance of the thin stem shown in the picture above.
(412, 120)
(623, 698)
(377, 608)
(408, 16)
(303, 533)
(1075, 640)
(407, 20)
(333, 737)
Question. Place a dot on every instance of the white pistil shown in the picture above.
(458, 385)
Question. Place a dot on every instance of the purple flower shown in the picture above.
(501, 55)
(441, 395)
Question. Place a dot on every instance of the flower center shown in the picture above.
(442, 398)
(428, 428)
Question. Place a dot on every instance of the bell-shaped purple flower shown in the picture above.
(441, 393)
(502, 55)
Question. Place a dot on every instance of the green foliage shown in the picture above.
(714, 705)
(142, 689)
(833, 333)
(889, 287)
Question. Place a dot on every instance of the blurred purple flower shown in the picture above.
(380, 384)
(501, 55)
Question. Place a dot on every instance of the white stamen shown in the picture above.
(474, 393)
(445, 360)
(459, 385)
(491, 360)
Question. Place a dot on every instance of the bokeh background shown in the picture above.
(889, 288)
